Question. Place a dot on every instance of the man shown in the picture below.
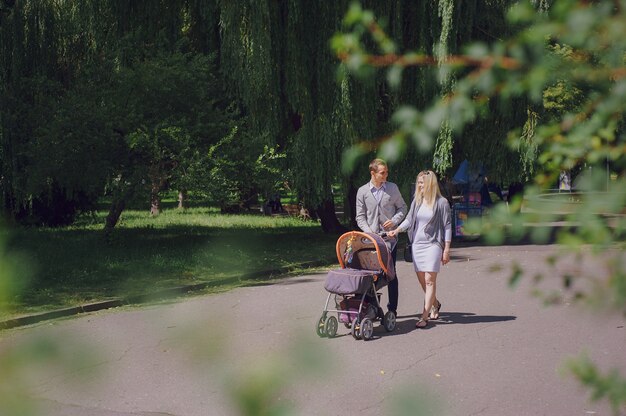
(380, 208)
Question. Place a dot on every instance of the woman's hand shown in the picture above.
(392, 233)
(445, 257)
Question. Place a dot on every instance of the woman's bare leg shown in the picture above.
(421, 276)
(430, 293)
(422, 279)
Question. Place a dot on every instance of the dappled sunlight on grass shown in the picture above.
(76, 264)
(193, 217)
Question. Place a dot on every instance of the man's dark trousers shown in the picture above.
(393, 285)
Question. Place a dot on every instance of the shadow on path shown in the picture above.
(470, 318)
(406, 323)
(446, 318)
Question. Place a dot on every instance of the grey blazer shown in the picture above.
(370, 215)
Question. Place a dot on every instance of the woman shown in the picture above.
(430, 233)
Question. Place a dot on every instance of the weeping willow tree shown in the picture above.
(80, 85)
(277, 63)
(427, 33)
(277, 58)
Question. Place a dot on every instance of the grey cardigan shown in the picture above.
(370, 215)
(435, 229)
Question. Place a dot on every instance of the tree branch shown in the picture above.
(426, 60)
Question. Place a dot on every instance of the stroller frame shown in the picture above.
(354, 290)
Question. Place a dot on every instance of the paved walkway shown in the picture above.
(495, 351)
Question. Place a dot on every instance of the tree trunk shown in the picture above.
(155, 199)
(350, 210)
(326, 213)
(182, 199)
(115, 211)
(249, 197)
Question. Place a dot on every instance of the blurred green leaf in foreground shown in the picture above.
(567, 61)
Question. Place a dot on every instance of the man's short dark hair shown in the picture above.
(374, 164)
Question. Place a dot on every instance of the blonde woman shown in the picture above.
(430, 232)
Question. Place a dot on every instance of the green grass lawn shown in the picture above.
(61, 267)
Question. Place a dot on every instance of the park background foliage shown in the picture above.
(229, 102)
(119, 101)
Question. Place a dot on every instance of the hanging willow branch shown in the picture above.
(379, 61)
(442, 158)
(527, 144)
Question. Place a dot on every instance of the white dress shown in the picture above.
(426, 255)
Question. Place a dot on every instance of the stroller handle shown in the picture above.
(373, 238)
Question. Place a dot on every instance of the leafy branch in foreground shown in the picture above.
(568, 63)
(610, 386)
(590, 133)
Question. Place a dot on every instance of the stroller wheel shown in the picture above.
(356, 329)
(367, 329)
(321, 326)
(389, 321)
(330, 326)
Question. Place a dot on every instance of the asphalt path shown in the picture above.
(494, 351)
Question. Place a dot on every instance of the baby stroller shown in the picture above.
(366, 267)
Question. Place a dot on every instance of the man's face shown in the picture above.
(380, 175)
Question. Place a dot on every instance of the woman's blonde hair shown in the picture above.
(431, 188)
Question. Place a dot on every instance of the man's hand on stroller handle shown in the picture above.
(388, 225)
